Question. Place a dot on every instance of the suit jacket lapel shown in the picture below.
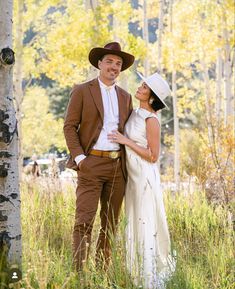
(96, 94)
(121, 107)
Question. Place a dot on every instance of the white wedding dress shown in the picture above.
(147, 237)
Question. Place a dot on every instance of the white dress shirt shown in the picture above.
(110, 122)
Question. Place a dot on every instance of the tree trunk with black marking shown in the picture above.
(18, 78)
(10, 228)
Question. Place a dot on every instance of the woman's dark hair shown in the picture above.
(157, 104)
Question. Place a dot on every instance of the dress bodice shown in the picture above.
(135, 128)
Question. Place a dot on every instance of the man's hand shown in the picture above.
(79, 159)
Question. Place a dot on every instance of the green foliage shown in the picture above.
(192, 155)
(41, 129)
(201, 235)
(58, 98)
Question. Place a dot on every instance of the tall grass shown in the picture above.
(201, 235)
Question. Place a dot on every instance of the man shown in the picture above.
(95, 109)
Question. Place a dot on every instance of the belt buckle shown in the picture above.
(113, 155)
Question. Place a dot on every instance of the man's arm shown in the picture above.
(72, 122)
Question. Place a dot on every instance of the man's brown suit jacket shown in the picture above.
(84, 119)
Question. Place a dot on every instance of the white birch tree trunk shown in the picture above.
(218, 104)
(146, 37)
(91, 4)
(176, 133)
(117, 25)
(18, 78)
(160, 31)
(159, 43)
(208, 100)
(175, 113)
(10, 228)
(229, 98)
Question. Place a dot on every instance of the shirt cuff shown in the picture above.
(79, 158)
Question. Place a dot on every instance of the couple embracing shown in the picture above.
(114, 150)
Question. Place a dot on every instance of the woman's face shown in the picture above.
(143, 92)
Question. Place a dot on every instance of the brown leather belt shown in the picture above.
(107, 154)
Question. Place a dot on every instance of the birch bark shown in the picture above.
(10, 228)
(18, 78)
(229, 98)
(175, 112)
(218, 86)
(160, 31)
(146, 37)
(91, 4)
(176, 133)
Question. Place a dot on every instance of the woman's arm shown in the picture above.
(151, 153)
(153, 133)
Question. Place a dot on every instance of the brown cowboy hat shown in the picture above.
(111, 48)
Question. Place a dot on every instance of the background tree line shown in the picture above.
(192, 44)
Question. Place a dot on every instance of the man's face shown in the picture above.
(110, 67)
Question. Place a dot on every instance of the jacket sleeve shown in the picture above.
(72, 121)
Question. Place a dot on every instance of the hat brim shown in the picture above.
(149, 85)
(97, 53)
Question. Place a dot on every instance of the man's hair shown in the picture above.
(102, 57)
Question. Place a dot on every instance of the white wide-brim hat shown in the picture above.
(158, 85)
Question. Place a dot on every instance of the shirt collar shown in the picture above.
(106, 86)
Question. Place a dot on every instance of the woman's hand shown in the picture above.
(117, 137)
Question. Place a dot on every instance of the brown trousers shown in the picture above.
(96, 182)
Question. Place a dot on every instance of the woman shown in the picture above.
(148, 242)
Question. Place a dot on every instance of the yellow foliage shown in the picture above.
(66, 46)
(211, 162)
(197, 31)
(66, 35)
